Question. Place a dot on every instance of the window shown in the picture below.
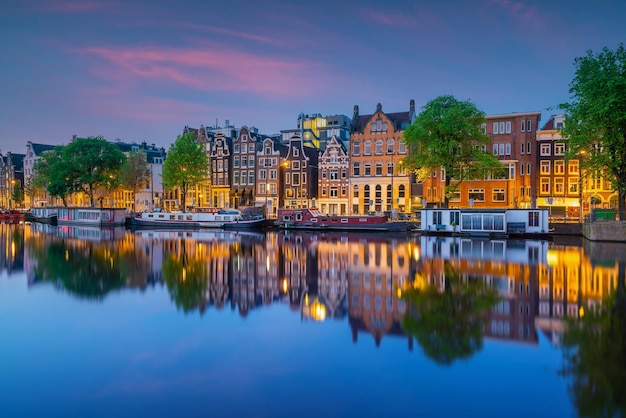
(501, 127)
(545, 167)
(572, 185)
(523, 126)
(497, 195)
(437, 217)
(390, 146)
(356, 169)
(528, 169)
(508, 149)
(355, 191)
(303, 178)
(533, 218)
(379, 147)
(545, 149)
(356, 148)
(522, 148)
(244, 177)
(334, 174)
(236, 177)
(323, 190)
(296, 152)
(528, 125)
(521, 169)
(483, 127)
(528, 149)
(367, 148)
(573, 167)
(367, 169)
(508, 127)
(244, 149)
(323, 174)
(401, 147)
(236, 150)
(295, 165)
(495, 149)
(495, 127)
(390, 169)
(501, 146)
(236, 162)
(478, 195)
(295, 179)
(559, 149)
(251, 177)
(559, 185)
(379, 169)
(545, 185)
(334, 191)
(559, 167)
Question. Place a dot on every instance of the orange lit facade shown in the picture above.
(377, 181)
(513, 142)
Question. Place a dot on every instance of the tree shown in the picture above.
(594, 350)
(596, 117)
(186, 165)
(448, 133)
(93, 163)
(51, 173)
(449, 324)
(17, 195)
(135, 172)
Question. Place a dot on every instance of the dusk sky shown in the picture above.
(142, 70)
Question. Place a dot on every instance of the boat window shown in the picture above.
(173, 217)
(344, 220)
(188, 217)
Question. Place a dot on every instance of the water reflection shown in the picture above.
(447, 282)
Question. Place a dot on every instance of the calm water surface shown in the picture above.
(114, 323)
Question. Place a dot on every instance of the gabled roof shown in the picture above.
(399, 120)
(38, 149)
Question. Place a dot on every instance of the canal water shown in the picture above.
(119, 323)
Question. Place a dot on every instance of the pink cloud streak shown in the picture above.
(207, 70)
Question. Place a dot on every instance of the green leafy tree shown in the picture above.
(449, 324)
(52, 173)
(186, 165)
(448, 133)
(596, 117)
(594, 350)
(135, 172)
(93, 163)
(17, 195)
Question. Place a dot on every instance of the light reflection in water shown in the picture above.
(322, 276)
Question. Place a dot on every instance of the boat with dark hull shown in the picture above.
(313, 219)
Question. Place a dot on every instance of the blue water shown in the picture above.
(133, 353)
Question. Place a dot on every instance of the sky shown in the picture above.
(140, 70)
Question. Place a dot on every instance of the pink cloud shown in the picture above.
(390, 19)
(207, 70)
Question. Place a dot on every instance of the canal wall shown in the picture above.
(613, 231)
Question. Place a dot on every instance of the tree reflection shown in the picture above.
(595, 356)
(449, 323)
(85, 270)
(186, 281)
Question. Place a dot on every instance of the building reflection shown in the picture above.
(322, 276)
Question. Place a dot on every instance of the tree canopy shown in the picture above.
(448, 133)
(595, 127)
(135, 172)
(186, 165)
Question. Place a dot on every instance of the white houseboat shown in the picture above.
(485, 222)
(218, 218)
(45, 215)
(91, 216)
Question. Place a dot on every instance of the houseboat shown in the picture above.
(218, 218)
(313, 219)
(485, 222)
(45, 215)
(91, 216)
(11, 215)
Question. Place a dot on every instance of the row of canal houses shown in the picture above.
(345, 165)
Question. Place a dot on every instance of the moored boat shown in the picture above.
(313, 219)
(91, 216)
(45, 215)
(217, 218)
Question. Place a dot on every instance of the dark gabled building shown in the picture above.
(301, 171)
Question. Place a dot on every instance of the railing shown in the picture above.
(604, 215)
